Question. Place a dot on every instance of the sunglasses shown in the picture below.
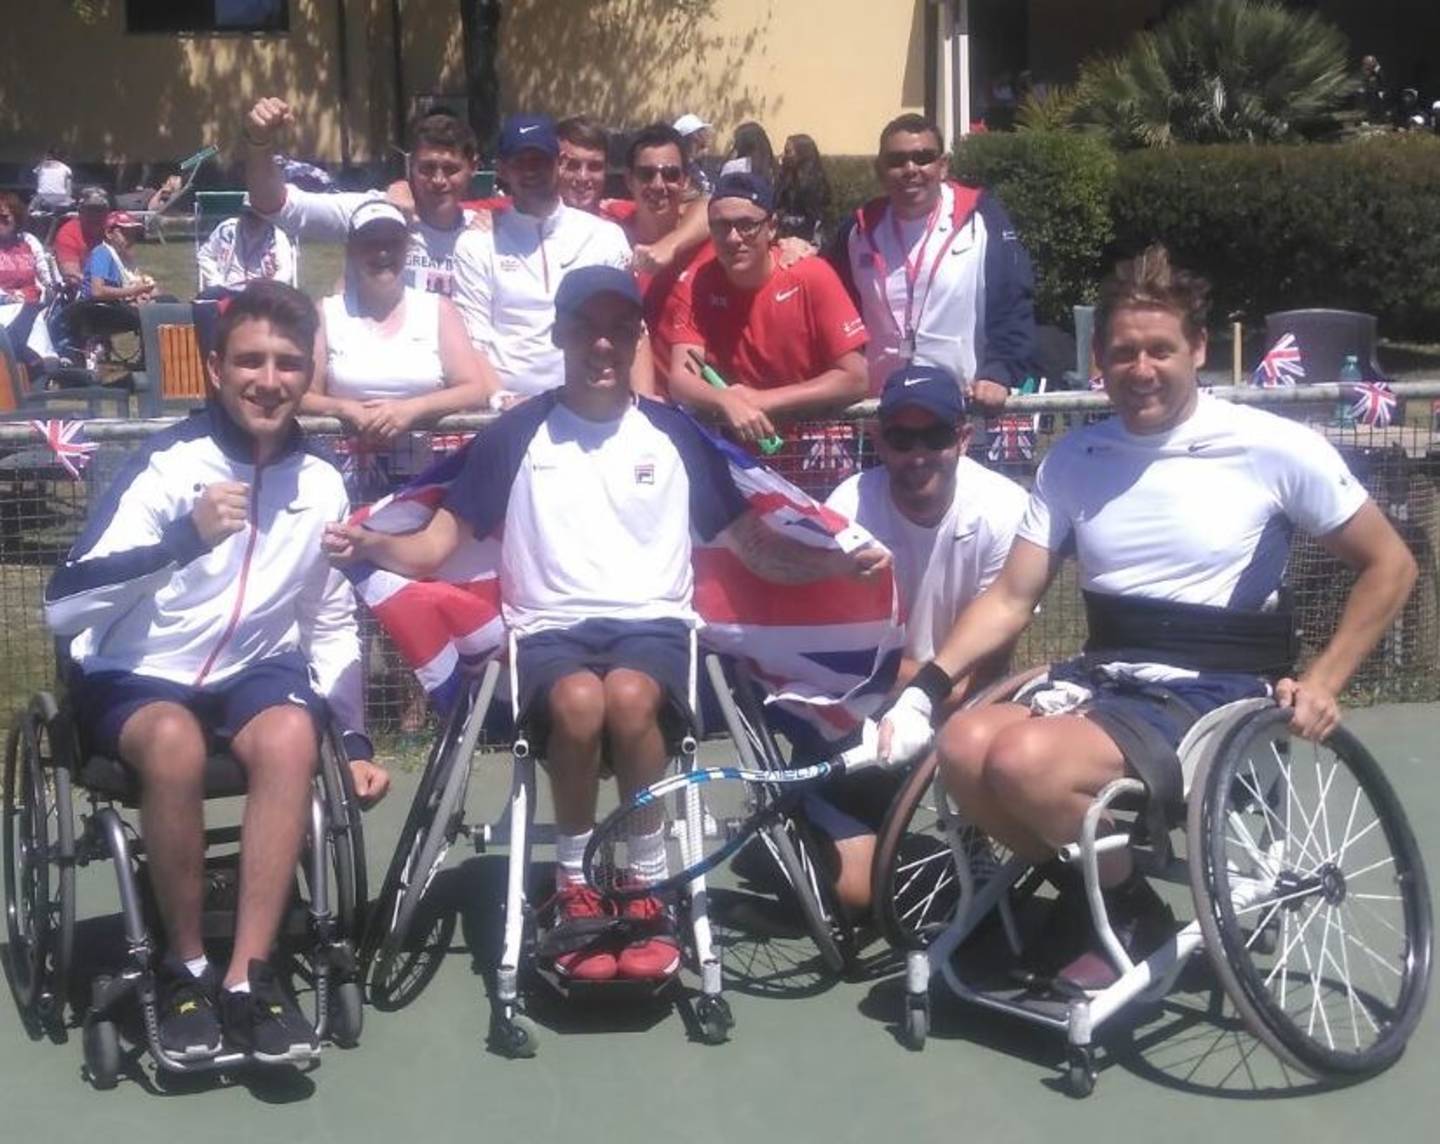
(669, 174)
(746, 228)
(932, 437)
(897, 159)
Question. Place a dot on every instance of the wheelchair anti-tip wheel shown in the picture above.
(713, 1019)
(39, 865)
(103, 1058)
(1311, 895)
(347, 1014)
(516, 1036)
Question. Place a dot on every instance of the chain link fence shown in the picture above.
(42, 508)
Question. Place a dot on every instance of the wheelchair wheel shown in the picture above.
(346, 842)
(39, 865)
(1312, 897)
(103, 1059)
(914, 887)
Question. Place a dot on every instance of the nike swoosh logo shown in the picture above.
(293, 508)
(527, 130)
(909, 381)
(298, 700)
(783, 295)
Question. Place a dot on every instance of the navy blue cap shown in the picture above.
(744, 185)
(926, 387)
(577, 287)
(528, 132)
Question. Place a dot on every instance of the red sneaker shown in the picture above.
(656, 955)
(578, 909)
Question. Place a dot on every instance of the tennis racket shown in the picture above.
(668, 834)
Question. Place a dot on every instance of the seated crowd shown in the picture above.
(584, 318)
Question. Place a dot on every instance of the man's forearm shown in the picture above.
(824, 393)
(985, 630)
(778, 558)
(263, 180)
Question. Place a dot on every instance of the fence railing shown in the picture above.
(42, 509)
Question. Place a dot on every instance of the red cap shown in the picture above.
(124, 220)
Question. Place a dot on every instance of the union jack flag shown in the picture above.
(63, 438)
(1374, 404)
(1097, 382)
(1012, 439)
(829, 448)
(1281, 365)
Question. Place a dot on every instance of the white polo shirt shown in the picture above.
(941, 568)
(505, 283)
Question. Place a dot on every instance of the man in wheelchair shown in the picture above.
(204, 614)
(598, 492)
(1179, 510)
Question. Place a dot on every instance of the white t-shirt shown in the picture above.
(430, 261)
(941, 568)
(53, 178)
(363, 363)
(1201, 514)
(505, 283)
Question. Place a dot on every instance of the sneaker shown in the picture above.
(188, 1023)
(265, 1023)
(655, 955)
(1142, 923)
(581, 917)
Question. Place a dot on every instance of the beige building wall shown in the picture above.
(104, 94)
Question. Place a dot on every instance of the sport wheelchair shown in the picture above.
(1310, 896)
(47, 837)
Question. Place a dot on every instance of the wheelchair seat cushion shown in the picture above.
(109, 776)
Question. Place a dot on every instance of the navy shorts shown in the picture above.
(104, 700)
(657, 648)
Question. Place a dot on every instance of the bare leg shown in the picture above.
(852, 879)
(964, 746)
(577, 718)
(278, 750)
(632, 719)
(165, 744)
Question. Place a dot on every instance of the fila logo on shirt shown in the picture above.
(645, 473)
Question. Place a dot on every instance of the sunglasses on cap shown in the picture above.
(932, 437)
(897, 159)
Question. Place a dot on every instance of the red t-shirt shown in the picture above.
(70, 244)
(656, 291)
(795, 326)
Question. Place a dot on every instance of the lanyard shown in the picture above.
(913, 268)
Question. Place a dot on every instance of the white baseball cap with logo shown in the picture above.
(689, 123)
(377, 212)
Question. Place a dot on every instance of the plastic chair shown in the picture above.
(19, 402)
(174, 368)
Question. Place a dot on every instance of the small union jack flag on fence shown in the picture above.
(1280, 366)
(1012, 439)
(1374, 404)
(63, 438)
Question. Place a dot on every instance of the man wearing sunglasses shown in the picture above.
(937, 271)
(948, 523)
(787, 339)
(441, 163)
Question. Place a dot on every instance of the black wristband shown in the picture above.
(934, 681)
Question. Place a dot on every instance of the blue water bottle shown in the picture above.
(1349, 375)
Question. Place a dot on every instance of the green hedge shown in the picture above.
(1354, 225)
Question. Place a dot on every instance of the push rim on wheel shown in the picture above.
(914, 886)
(1312, 897)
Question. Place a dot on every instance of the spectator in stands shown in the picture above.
(442, 162)
(26, 282)
(506, 276)
(53, 181)
(584, 147)
(702, 167)
(78, 236)
(802, 193)
(938, 271)
(391, 356)
(750, 151)
(244, 248)
(948, 523)
(110, 273)
(786, 338)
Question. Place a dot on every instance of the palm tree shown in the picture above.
(1219, 71)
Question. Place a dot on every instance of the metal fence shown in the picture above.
(42, 508)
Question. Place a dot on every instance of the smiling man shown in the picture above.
(203, 612)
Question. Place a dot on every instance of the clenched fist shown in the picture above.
(264, 121)
(222, 510)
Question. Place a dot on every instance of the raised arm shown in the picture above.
(263, 180)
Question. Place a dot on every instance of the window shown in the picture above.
(207, 15)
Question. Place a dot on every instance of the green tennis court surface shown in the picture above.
(809, 1060)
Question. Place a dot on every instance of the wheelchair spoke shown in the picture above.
(1388, 860)
(1277, 827)
(1275, 902)
(1284, 958)
(1375, 914)
(1316, 969)
(1344, 970)
(1375, 957)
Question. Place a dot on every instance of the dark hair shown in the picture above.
(913, 124)
(16, 206)
(443, 129)
(802, 189)
(751, 142)
(582, 131)
(656, 135)
(1149, 282)
(265, 300)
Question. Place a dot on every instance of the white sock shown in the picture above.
(197, 966)
(570, 858)
(649, 862)
(239, 987)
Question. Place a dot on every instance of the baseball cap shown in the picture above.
(689, 123)
(579, 286)
(926, 387)
(124, 220)
(377, 212)
(93, 197)
(745, 185)
(528, 132)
